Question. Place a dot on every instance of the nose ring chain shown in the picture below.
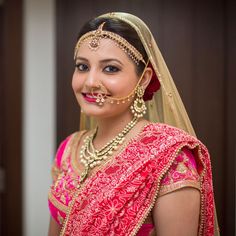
(100, 96)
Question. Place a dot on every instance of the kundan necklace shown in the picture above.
(90, 157)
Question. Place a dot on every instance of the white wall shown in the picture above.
(39, 112)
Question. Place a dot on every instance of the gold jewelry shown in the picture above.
(120, 100)
(96, 35)
(139, 108)
(100, 99)
(90, 157)
(100, 96)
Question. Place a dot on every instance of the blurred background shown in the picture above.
(38, 110)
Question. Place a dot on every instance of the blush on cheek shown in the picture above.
(76, 83)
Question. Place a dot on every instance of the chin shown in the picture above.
(103, 112)
(96, 112)
(99, 114)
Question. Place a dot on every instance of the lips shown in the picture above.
(91, 97)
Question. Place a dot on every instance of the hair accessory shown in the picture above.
(122, 43)
(95, 40)
(152, 87)
(139, 107)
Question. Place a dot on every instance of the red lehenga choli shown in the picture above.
(117, 199)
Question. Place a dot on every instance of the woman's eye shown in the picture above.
(111, 69)
(81, 67)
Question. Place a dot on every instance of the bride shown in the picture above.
(136, 167)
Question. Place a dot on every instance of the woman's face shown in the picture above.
(109, 66)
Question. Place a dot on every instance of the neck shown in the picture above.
(108, 128)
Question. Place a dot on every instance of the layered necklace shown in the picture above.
(90, 157)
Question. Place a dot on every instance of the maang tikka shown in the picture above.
(139, 108)
(95, 36)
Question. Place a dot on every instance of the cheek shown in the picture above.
(76, 82)
(121, 86)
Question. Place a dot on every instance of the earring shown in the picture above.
(139, 107)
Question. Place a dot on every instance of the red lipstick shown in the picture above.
(89, 97)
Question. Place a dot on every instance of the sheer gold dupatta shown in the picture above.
(166, 105)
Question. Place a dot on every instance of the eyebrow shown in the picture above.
(101, 61)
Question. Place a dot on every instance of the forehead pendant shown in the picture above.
(94, 39)
(94, 43)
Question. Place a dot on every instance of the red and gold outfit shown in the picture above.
(118, 198)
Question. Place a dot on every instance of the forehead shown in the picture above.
(106, 48)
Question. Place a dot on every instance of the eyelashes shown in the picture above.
(111, 69)
(107, 69)
(81, 67)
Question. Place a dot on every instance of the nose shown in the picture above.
(92, 80)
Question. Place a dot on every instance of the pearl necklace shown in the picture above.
(90, 157)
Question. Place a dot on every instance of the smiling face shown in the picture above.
(110, 67)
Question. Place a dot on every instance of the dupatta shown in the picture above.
(116, 200)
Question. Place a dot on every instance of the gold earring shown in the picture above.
(139, 107)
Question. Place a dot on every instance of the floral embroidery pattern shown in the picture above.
(183, 173)
(118, 197)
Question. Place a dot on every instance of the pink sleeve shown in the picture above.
(56, 166)
(182, 173)
(60, 151)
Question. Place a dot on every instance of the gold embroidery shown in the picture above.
(67, 150)
(74, 161)
(164, 171)
(63, 199)
(181, 168)
(178, 185)
(57, 181)
(81, 186)
(170, 177)
(60, 218)
(56, 203)
(55, 171)
(148, 209)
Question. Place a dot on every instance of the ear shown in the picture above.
(147, 76)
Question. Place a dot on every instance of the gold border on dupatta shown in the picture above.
(60, 206)
(150, 207)
(179, 185)
(81, 186)
(51, 197)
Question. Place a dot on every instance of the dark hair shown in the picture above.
(121, 28)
